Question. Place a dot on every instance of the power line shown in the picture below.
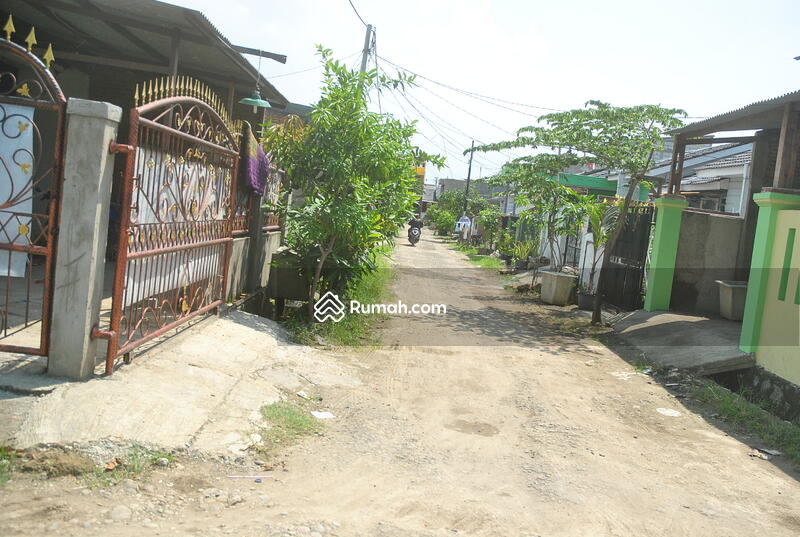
(442, 134)
(481, 160)
(443, 145)
(453, 127)
(319, 66)
(488, 98)
(356, 12)
(471, 93)
(468, 112)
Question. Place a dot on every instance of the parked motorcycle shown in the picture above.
(414, 235)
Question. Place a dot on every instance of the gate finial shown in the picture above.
(9, 27)
(49, 57)
(31, 39)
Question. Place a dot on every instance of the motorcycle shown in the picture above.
(413, 235)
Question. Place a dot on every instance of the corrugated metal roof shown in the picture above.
(140, 31)
(759, 115)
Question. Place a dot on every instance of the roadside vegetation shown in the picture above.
(352, 330)
(751, 417)
(483, 261)
(288, 423)
(138, 462)
(355, 171)
(8, 459)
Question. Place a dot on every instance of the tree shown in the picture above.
(453, 201)
(489, 222)
(602, 219)
(554, 208)
(617, 138)
(355, 168)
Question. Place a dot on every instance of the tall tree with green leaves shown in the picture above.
(355, 169)
(619, 138)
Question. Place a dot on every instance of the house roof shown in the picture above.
(694, 159)
(138, 34)
(766, 114)
(694, 180)
(727, 162)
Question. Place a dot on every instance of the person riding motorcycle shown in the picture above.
(415, 229)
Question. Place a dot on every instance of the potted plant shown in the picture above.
(522, 251)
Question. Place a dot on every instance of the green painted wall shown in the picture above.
(770, 204)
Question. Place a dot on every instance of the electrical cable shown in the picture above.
(356, 12)
(320, 66)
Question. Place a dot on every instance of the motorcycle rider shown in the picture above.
(415, 222)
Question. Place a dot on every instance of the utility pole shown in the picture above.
(365, 52)
(469, 173)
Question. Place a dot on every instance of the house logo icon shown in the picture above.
(329, 307)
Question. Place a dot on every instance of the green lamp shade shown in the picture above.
(255, 101)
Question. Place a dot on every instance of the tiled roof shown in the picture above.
(694, 180)
(727, 162)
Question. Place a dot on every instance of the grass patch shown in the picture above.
(138, 462)
(288, 423)
(483, 261)
(352, 330)
(748, 417)
(8, 459)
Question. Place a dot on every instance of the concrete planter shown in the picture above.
(557, 287)
(732, 297)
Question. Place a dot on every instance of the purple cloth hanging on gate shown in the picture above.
(254, 163)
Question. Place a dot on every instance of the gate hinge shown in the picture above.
(114, 147)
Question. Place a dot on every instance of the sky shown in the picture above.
(706, 57)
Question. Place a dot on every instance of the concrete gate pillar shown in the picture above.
(83, 228)
(769, 204)
(665, 249)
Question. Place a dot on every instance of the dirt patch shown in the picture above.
(57, 463)
(473, 427)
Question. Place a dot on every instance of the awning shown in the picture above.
(766, 114)
(139, 35)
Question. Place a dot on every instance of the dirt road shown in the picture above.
(479, 422)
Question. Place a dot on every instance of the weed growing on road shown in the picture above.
(483, 261)
(137, 463)
(751, 418)
(8, 458)
(288, 423)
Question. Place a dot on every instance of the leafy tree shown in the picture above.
(617, 138)
(445, 222)
(354, 168)
(554, 208)
(453, 201)
(489, 222)
(602, 216)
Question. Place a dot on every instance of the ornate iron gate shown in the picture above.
(32, 112)
(623, 276)
(177, 210)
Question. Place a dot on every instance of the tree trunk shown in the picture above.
(312, 289)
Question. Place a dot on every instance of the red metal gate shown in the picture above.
(176, 213)
(32, 112)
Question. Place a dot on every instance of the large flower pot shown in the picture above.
(732, 296)
(557, 287)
